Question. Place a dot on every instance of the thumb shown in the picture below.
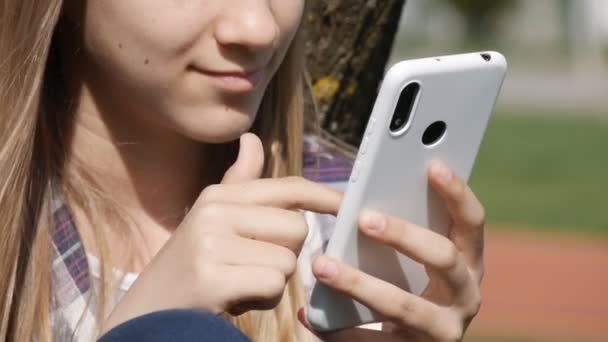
(249, 163)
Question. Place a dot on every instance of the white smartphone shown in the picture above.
(432, 108)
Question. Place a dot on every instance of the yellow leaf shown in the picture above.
(351, 89)
(325, 88)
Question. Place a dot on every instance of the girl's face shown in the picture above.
(199, 67)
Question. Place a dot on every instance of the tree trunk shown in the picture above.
(348, 44)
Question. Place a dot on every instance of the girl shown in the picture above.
(128, 185)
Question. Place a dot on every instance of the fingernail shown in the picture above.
(374, 221)
(328, 269)
(442, 171)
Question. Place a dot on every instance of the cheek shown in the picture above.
(288, 14)
(142, 43)
(165, 27)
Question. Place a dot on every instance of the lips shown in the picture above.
(233, 81)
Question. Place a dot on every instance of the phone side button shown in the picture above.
(370, 126)
(363, 148)
(355, 172)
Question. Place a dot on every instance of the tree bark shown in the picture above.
(348, 44)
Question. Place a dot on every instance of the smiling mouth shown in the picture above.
(233, 81)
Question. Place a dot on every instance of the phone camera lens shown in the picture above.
(486, 57)
(434, 133)
(403, 110)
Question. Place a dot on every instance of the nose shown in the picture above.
(249, 23)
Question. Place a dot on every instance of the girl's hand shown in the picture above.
(236, 248)
(454, 264)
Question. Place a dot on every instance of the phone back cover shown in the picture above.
(392, 174)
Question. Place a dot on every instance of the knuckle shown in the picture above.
(459, 189)
(296, 183)
(448, 258)
(208, 245)
(401, 233)
(287, 261)
(408, 313)
(480, 272)
(293, 180)
(350, 281)
(275, 284)
(302, 229)
(210, 211)
(210, 193)
(452, 332)
(291, 262)
(474, 306)
(299, 182)
(296, 179)
(407, 309)
(478, 219)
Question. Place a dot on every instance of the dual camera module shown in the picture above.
(403, 112)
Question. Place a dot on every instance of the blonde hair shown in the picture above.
(33, 159)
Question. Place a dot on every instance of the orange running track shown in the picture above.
(545, 287)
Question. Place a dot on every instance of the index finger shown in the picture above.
(287, 193)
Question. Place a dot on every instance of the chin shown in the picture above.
(216, 126)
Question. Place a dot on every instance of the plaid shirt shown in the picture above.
(75, 275)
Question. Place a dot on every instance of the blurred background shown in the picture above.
(542, 172)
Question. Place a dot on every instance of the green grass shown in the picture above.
(546, 171)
